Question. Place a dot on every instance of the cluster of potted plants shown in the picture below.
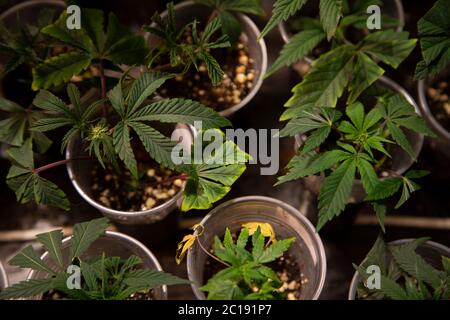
(112, 126)
(123, 101)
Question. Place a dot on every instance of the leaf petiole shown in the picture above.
(57, 164)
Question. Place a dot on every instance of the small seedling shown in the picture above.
(245, 274)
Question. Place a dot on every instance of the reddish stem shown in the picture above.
(162, 67)
(57, 164)
(212, 16)
(209, 254)
(103, 85)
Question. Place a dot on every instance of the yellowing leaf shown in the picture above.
(187, 242)
(266, 229)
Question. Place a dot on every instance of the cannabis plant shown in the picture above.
(102, 277)
(355, 144)
(245, 274)
(434, 37)
(184, 51)
(110, 141)
(405, 274)
(344, 137)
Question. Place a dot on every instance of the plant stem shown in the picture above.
(57, 164)
(212, 15)
(161, 67)
(103, 85)
(381, 162)
(211, 255)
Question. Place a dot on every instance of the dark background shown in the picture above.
(346, 238)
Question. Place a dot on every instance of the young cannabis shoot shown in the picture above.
(186, 51)
(245, 274)
(111, 141)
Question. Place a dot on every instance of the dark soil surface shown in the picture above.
(439, 102)
(120, 191)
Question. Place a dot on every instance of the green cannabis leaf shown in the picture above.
(247, 277)
(390, 186)
(335, 192)
(211, 178)
(299, 46)
(351, 67)
(84, 234)
(51, 242)
(434, 37)
(399, 113)
(405, 274)
(15, 128)
(26, 182)
(282, 10)
(134, 116)
(330, 14)
(326, 81)
(92, 44)
(60, 114)
(103, 277)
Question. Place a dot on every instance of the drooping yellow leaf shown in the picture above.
(266, 229)
(187, 242)
(183, 247)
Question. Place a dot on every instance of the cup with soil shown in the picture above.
(400, 160)
(392, 9)
(302, 269)
(431, 252)
(244, 65)
(16, 85)
(112, 244)
(3, 277)
(119, 196)
(434, 103)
